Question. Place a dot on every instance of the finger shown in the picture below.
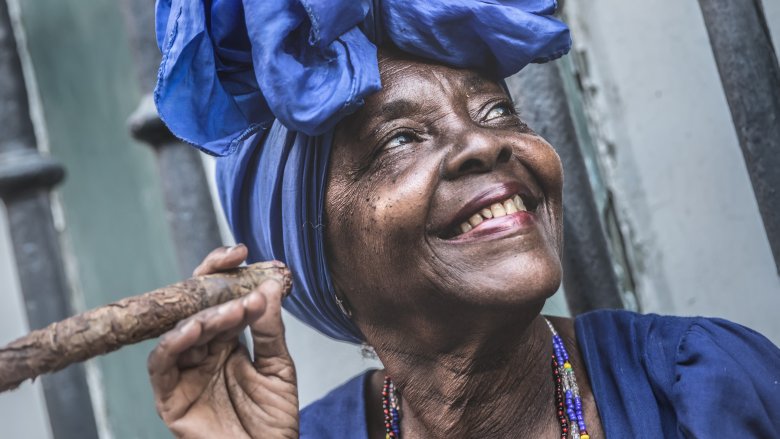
(192, 342)
(268, 331)
(221, 259)
(161, 364)
(192, 357)
(254, 305)
(227, 321)
(220, 328)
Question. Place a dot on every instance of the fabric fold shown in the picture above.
(232, 66)
(499, 36)
(272, 192)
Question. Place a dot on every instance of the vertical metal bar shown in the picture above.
(588, 275)
(188, 202)
(750, 75)
(25, 180)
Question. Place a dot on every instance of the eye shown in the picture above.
(400, 139)
(500, 110)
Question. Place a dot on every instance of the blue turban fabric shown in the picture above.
(262, 83)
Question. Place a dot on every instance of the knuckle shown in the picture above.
(151, 362)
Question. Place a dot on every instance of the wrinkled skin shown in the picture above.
(454, 318)
(206, 386)
(398, 175)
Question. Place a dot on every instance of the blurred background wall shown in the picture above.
(668, 192)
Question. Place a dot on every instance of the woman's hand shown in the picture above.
(206, 385)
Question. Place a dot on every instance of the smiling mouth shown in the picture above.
(494, 215)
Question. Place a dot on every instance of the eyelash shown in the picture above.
(414, 137)
(510, 111)
(411, 135)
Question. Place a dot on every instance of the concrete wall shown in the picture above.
(772, 13)
(669, 153)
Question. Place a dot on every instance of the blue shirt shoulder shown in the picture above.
(654, 376)
(341, 414)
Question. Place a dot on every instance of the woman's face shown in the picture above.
(439, 200)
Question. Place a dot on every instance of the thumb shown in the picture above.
(270, 347)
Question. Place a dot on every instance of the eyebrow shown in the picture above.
(401, 108)
(473, 81)
(390, 111)
(397, 109)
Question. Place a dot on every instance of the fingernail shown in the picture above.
(269, 281)
(223, 308)
(267, 285)
(230, 249)
(187, 326)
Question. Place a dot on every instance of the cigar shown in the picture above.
(128, 321)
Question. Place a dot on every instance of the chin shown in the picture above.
(517, 282)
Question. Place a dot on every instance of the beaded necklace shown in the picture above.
(568, 404)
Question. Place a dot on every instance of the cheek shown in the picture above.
(397, 212)
(548, 165)
(548, 170)
(555, 193)
(378, 221)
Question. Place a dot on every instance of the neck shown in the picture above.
(491, 383)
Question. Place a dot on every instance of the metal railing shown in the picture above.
(748, 69)
(26, 177)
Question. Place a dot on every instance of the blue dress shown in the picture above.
(652, 377)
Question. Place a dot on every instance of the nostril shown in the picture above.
(504, 155)
(470, 165)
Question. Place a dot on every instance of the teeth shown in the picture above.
(497, 210)
(519, 203)
(510, 207)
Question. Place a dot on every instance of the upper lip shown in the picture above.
(492, 195)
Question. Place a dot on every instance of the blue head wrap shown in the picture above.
(262, 83)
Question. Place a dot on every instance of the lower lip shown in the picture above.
(511, 224)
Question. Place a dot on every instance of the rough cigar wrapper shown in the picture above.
(128, 321)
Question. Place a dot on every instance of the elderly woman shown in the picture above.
(420, 216)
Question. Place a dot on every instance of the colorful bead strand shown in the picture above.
(568, 403)
(573, 401)
(391, 410)
(560, 408)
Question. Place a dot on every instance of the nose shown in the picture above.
(475, 153)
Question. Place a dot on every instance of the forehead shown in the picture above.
(412, 86)
(407, 80)
(397, 71)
